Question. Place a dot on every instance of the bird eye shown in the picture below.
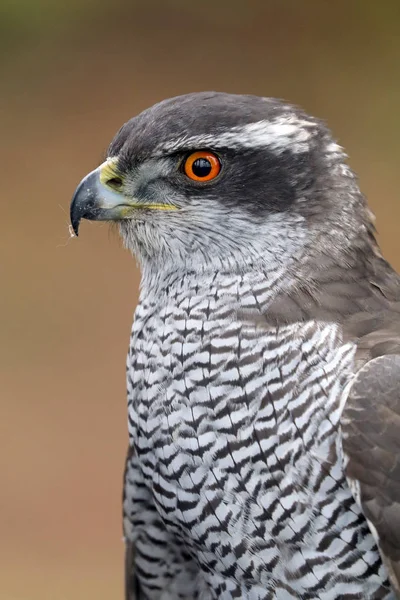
(202, 166)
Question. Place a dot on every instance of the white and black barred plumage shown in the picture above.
(264, 364)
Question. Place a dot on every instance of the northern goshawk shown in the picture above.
(264, 363)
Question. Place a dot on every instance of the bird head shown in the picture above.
(213, 178)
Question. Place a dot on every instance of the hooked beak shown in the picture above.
(99, 197)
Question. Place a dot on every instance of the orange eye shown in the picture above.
(202, 166)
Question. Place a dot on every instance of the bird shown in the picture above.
(263, 372)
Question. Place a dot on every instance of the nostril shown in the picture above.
(114, 182)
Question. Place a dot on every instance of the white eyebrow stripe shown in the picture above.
(284, 132)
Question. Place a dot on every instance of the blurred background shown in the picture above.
(72, 73)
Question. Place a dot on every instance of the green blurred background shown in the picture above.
(72, 73)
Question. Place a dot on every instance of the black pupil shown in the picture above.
(201, 167)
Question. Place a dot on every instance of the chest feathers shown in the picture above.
(235, 425)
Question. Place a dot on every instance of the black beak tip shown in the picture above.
(84, 202)
(75, 226)
(75, 218)
(79, 205)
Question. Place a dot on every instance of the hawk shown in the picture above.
(263, 371)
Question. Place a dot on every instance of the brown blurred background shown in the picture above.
(72, 73)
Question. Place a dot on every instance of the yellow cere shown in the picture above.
(108, 170)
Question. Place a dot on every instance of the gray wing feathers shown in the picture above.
(371, 446)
